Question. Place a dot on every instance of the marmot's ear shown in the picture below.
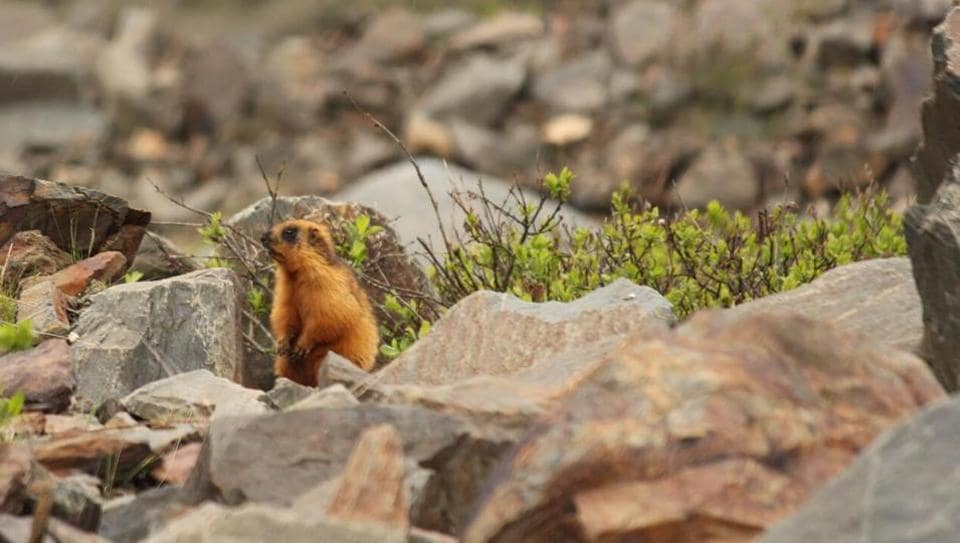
(324, 246)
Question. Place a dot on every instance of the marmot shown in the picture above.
(318, 304)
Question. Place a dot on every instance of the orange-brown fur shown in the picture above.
(318, 305)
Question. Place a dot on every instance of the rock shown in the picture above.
(159, 258)
(191, 396)
(51, 125)
(495, 334)
(45, 306)
(132, 518)
(371, 489)
(286, 393)
(334, 396)
(720, 173)
(478, 90)
(711, 433)
(18, 529)
(566, 129)
(31, 253)
(338, 370)
(392, 36)
(127, 448)
(924, 12)
(69, 424)
(395, 191)
(311, 447)
(76, 500)
(425, 135)
(501, 29)
(845, 42)
(44, 374)
(906, 70)
(305, 451)
(775, 94)
(254, 522)
(899, 489)
(641, 30)
(217, 83)
(15, 470)
(105, 267)
(27, 205)
(876, 299)
(738, 31)
(175, 466)
(941, 137)
(935, 252)
(136, 333)
(123, 67)
(580, 85)
(487, 150)
(446, 21)
(50, 65)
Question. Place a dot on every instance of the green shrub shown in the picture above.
(8, 308)
(16, 336)
(697, 259)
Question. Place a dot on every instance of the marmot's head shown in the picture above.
(293, 243)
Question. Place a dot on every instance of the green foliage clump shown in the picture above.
(697, 259)
(11, 407)
(405, 327)
(354, 245)
(17, 336)
(8, 308)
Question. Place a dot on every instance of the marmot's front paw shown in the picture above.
(298, 354)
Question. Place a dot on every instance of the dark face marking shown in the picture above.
(289, 234)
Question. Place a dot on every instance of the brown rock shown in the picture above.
(708, 434)
(372, 485)
(44, 374)
(45, 305)
(105, 267)
(125, 448)
(175, 466)
(69, 424)
(74, 218)
(31, 253)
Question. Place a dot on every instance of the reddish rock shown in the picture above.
(31, 253)
(175, 467)
(372, 485)
(106, 267)
(44, 374)
(125, 448)
(710, 433)
(72, 217)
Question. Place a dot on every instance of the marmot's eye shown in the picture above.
(289, 234)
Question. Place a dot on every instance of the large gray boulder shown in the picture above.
(902, 488)
(478, 90)
(397, 193)
(934, 244)
(136, 333)
(876, 299)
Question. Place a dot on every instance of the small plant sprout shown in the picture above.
(17, 336)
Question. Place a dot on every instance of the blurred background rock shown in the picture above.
(744, 101)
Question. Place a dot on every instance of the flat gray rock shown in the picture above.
(192, 395)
